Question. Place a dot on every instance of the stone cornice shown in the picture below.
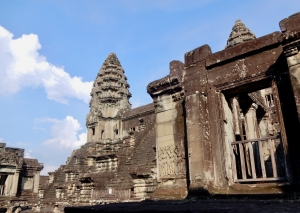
(168, 84)
(290, 42)
(138, 115)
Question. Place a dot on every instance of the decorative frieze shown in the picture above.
(171, 161)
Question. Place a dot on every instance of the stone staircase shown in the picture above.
(28, 195)
(60, 179)
(142, 156)
(49, 192)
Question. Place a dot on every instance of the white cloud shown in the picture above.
(65, 133)
(22, 144)
(27, 154)
(47, 169)
(23, 66)
(1, 139)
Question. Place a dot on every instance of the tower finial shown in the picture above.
(239, 34)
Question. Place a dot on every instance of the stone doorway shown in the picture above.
(253, 136)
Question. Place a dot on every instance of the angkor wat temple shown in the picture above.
(220, 123)
(224, 122)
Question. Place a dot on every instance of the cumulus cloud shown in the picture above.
(65, 133)
(23, 66)
(1, 139)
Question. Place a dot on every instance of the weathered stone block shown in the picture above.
(197, 55)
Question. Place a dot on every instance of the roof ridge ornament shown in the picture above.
(239, 34)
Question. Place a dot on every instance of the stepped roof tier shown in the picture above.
(239, 34)
(110, 90)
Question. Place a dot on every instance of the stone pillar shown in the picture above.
(89, 134)
(36, 181)
(290, 41)
(252, 133)
(168, 96)
(251, 122)
(8, 185)
(293, 60)
(196, 119)
(15, 183)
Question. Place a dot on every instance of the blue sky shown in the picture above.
(51, 51)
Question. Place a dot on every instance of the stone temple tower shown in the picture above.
(239, 34)
(109, 100)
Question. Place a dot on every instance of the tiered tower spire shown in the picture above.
(109, 100)
(239, 34)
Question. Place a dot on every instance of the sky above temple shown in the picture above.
(52, 50)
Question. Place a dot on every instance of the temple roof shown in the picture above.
(110, 90)
(239, 34)
(112, 59)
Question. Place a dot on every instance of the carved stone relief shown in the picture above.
(171, 161)
(178, 96)
(241, 68)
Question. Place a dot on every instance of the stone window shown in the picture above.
(93, 133)
(251, 134)
(116, 132)
(102, 134)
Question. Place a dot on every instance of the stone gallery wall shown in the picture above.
(224, 122)
(18, 175)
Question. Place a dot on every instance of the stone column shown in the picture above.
(36, 181)
(8, 185)
(290, 41)
(168, 96)
(252, 133)
(251, 122)
(15, 185)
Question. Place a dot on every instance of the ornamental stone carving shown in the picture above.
(171, 161)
